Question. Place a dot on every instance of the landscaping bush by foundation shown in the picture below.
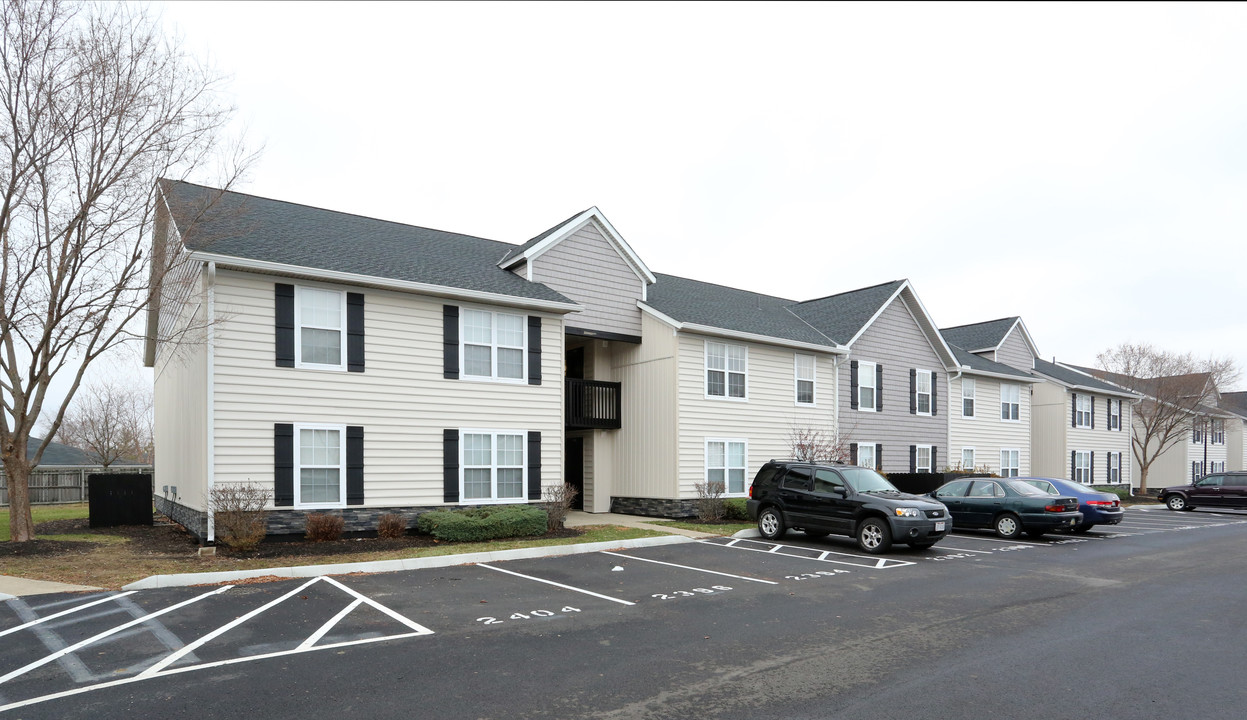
(322, 527)
(734, 509)
(238, 513)
(480, 524)
(391, 526)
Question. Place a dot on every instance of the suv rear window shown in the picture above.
(766, 476)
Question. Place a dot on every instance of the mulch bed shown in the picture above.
(166, 538)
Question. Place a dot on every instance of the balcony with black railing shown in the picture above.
(593, 405)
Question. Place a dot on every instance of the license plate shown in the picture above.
(939, 527)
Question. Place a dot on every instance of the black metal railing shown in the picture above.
(593, 404)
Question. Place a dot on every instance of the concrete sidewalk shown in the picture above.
(11, 587)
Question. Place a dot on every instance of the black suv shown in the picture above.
(1224, 489)
(842, 499)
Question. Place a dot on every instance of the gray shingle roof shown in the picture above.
(702, 303)
(521, 249)
(256, 228)
(1235, 402)
(842, 316)
(1073, 377)
(982, 364)
(979, 336)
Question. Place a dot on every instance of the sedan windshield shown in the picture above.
(865, 480)
(1022, 487)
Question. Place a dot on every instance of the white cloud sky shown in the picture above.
(1083, 166)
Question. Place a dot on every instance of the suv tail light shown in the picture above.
(750, 492)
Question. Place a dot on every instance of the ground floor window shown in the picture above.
(492, 466)
(967, 458)
(1009, 465)
(320, 465)
(922, 459)
(1082, 467)
(1114, 467)
(866, 455)
(726, 464)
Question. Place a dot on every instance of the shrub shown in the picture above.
(391, 526)
(735, 509)
(323, 527)
(481, 524)
(710, 507)
(558, 502)
(1121, 491)
(238, 514)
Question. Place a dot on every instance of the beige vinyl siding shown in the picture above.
(1234, 450)
(1049, 420)
(1014, 351)
(1099, 440)
(986, 432)
(895, 341)
(765, 420)
(180, 406)
(1195, 452)
(402, 399)
(645, 447)
(586, 268)
(1169, 468)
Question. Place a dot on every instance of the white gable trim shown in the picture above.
(592, 215)
(739, 335)
(939, 346)
(1026, 337)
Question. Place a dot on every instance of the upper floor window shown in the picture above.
(1197, 432)
(1114, 414)
(967, 397)
(867, 389)
(805, 366)
(1010, 401)
(1083, 407)
(493, 345)
(1218, 432)
(922, 392)
(725, 370)
(320, 322)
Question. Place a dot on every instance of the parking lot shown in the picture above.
(59, 647)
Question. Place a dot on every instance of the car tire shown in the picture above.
(816, 533)
(771, 523)
(1176, 503)
(1007, 526)
(874, 536)
(921, 545)
(1082, 529)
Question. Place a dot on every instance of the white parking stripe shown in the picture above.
(70, 611)
(551, 582)
(999, 540)
(320, 633)
(981, 552)
(880, 564)
(420, 629)
(687, 567)
(77, 646)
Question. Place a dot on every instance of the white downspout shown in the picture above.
(211, 329)
(949, 445)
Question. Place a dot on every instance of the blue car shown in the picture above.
(1098, 508)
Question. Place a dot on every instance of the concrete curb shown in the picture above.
(382, 566)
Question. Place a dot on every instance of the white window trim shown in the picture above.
(1003, 467)
(973, 458)
(867, 370)
(705, 476)
(1114, 415)
(1218, 431)
(796, 379)
(1082, 418)
(872, 445)
(919, 373)
(1114, 463)
(705, 372)
(298, 330)
(493, 467)
(493, 347)
(298, 465)
(917, 462)
(1018, 403)
(972, 397)
(1082, 455)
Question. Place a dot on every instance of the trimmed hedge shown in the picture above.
(1121, 491)
(736, 509)
(488, 523)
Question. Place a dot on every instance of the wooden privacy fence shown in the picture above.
(54, 485)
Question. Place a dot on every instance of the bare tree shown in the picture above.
(111, 421)
(1177, 390)
(95, 106)
(809, 443)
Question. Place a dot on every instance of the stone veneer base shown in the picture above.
(654, 507)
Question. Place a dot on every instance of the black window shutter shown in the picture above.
(1073, 418)
(1093, 412)
(450, 464)
(878, 387)
(853, 390)
(283, 464)
(354, 465)
(933, 459)
(354, 332)
(450, 354)
(913, 391)
(283, 307)
(1091, 467)
(534, 465)
(879, 457)
(1073, 454)
(913, 458)
(935, 401)
(852, 453)
(534, 350)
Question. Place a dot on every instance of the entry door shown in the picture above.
(574, 469)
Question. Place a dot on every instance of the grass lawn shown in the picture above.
(44, 513)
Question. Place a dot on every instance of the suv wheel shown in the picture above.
(873, 536)
(1176, 502)
(771, 524)
(1008, 526)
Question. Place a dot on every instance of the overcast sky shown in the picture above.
(1083, 166)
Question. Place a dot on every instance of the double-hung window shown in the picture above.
(866, 390)
(967, 458)
(1114, 467)
(804, 370)
(922, 392)
(320, 465)
(320, 320)
(493, 345)
(866, 455)
(493, 466)
(1114, 414)
(1082, 411)
(1010, 401)
(922, 456)
(1218, 432)
(1009, 463)
(725, 465)
(1082, 467)
(967, 397)
(725, 370)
